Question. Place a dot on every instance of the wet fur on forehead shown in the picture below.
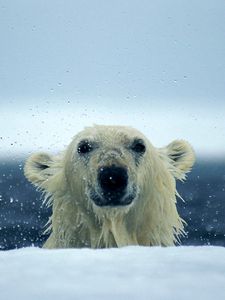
(108, 133)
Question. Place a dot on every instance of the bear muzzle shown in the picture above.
(113, 183)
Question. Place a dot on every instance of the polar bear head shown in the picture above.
(114, 173)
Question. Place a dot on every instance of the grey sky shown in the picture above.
(149, 58)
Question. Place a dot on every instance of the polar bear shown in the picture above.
(111, 188)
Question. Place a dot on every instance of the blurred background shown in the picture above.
(155, 65)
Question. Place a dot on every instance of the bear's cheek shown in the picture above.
(143, 177)
(75, 172)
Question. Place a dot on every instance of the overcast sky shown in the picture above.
(155, 65)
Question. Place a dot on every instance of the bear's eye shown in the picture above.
(138, 146)
(84, 147)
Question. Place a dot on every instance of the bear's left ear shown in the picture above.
(39, 168)
(181, 157)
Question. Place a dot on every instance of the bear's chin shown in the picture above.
(110, 200)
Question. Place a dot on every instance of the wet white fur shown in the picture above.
(152, 218)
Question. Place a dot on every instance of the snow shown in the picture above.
(126, 273)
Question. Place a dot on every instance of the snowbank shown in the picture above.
(126, 273)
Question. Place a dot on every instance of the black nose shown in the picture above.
(113, 181)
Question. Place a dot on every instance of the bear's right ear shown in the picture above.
(181, 157)
(38, 168)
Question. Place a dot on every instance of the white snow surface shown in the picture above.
(126, 273)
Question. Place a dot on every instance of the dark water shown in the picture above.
(22, 215)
